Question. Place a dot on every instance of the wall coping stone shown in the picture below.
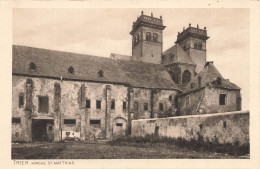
(196, 116)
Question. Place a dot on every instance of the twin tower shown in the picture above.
(147, 41)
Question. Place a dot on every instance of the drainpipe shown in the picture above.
(128, 110)
(152, 97)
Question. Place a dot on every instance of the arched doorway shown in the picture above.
(119, 127)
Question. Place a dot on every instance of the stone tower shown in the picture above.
(147, 39)
(193, 41)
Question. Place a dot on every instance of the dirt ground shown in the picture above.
(102, 150)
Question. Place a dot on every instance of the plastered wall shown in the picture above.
(70, 105)
(206, 101)
(67, 100)
(228, 127)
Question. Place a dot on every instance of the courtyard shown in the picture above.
(106, 150)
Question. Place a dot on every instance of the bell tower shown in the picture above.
(193, 41)
(147, 39)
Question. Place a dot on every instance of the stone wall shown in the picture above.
(67, 100)
(228, 127)
(206, 101)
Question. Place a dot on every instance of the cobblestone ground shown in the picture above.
(102, 150)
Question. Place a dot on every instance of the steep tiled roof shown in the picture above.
(50, 63)
(209, 76)
(176, 54)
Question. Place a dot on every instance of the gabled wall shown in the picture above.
(206, 100)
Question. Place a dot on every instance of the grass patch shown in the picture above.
(37, 152)
(194, 144)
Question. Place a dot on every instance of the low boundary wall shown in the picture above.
(228, 127)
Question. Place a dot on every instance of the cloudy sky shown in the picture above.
(103, 31)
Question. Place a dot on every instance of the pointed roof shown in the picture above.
(55, 64)
(209, 76)
(176, 54)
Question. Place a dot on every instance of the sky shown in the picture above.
(101, 32)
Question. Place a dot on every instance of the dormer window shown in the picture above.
(71, 70)
(218, 81)
(155, 37)
(101, 73)
(32, 66)
(163, 57)
(148, 36)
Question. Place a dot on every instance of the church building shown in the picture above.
(67, 96)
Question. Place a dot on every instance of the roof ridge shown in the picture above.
(52, 63)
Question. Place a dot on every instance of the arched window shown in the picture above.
(148, 36)
(199, 81)
(21, 100)
(200, 46)
(155, 37)
(138, 37)
(186, 77)
(135, 40)
(71, 70)
(32, 66)
(184, 46)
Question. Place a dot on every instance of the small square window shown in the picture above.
(16, 120)
(95, 123)
(67, 134)
(119, 124)
(87, 104)
(222, 99)
(124, 105)
(161, 106)
(145, 106)
(17, 134)
(50, 128)
(98, 104)
(113, 105)
(135, 105)
(70, 121)
(170, 98)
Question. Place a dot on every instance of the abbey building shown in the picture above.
(66, 96)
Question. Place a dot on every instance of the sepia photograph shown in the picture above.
(130, 83)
